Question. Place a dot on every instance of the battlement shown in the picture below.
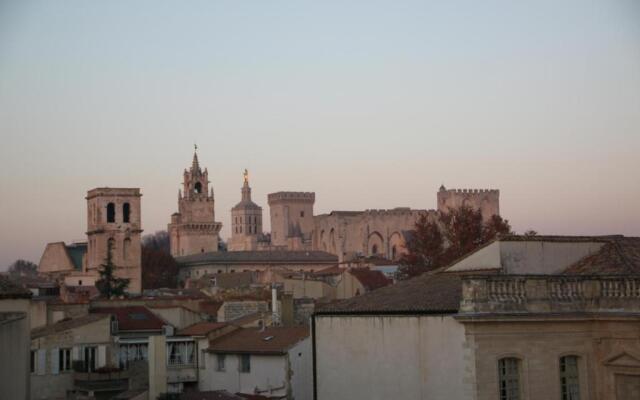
(393, 211)
(309, 197)
(106, 191)
(470, 191)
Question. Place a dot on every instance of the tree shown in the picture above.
(459, 232)
(159, 268)
(109, 285)
(23, 268)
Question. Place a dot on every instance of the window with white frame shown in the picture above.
(180, 353)
(132, 352)
(509, 378)
(220, 358)
(64, 360)
(569, 380)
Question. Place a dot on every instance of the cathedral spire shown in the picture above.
(195, 165)
(246, 190)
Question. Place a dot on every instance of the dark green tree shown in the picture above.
(459, 232)
(110, 285)
(23, 268)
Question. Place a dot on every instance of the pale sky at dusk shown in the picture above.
(371, 104)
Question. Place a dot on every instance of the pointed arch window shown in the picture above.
(126, 213)
(111, 212)
(198, 187)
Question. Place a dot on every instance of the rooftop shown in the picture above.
(619, 256)
(370, 279)
(66, 324)
(428, 293)
(133, 318)
(277, 256)
(271, 341)
(201, 328)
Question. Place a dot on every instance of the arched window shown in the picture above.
(569, 379)
(126, 212)
(111, 212)
(509, 378)
(374, 249)
(197, 187)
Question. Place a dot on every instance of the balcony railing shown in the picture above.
(101, 380)
(549, 293)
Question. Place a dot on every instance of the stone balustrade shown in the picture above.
(549, 294)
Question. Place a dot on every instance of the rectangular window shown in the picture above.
(569, 381)
(33, 361)
(302, 214)
(64, 360)
(132, 352)
(221, 358)
(90, 359)
(180, 353)
(245, 363)
(509, 378)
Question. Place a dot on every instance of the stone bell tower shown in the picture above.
(246, 221)
(193, 229)
(113, 217)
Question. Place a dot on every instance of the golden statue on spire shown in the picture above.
(246, 176)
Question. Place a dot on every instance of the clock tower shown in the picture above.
(193, 229)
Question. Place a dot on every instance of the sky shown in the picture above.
(370, 104)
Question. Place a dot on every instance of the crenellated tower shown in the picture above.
(485, 200)
(193, 229)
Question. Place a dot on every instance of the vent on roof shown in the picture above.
(266, 339)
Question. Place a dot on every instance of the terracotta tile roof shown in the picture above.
(201, 328)
(619, 255)
(66, 324)
(209, 395)
(273, 340)
(370, 279)
(9, 290)
(133, 318)
(276, 256)
(331, 271)
(210, 307)
(428, 293)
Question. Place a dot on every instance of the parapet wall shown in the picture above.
(485, 200)
(292, 196)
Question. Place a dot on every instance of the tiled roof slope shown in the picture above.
(67, 324)
(370, 279)
(619, 256)
(273, 340)
(9, 290)
(427, 293)
(133, 318)
(275, 256)
(201, 328)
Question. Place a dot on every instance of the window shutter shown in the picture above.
(55, 360)
(41, 367)
(102, 356)
(75, 356)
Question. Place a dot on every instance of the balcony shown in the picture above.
(102, 380)
(535, 294)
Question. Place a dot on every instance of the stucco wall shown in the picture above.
(537, 257)
(300, 361)
(312, 289)
(266, 371)
(14, 351)
(392, 357)
(55, 259)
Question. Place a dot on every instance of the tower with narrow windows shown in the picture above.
(246, 221)
(113, 218)
(193, 229)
